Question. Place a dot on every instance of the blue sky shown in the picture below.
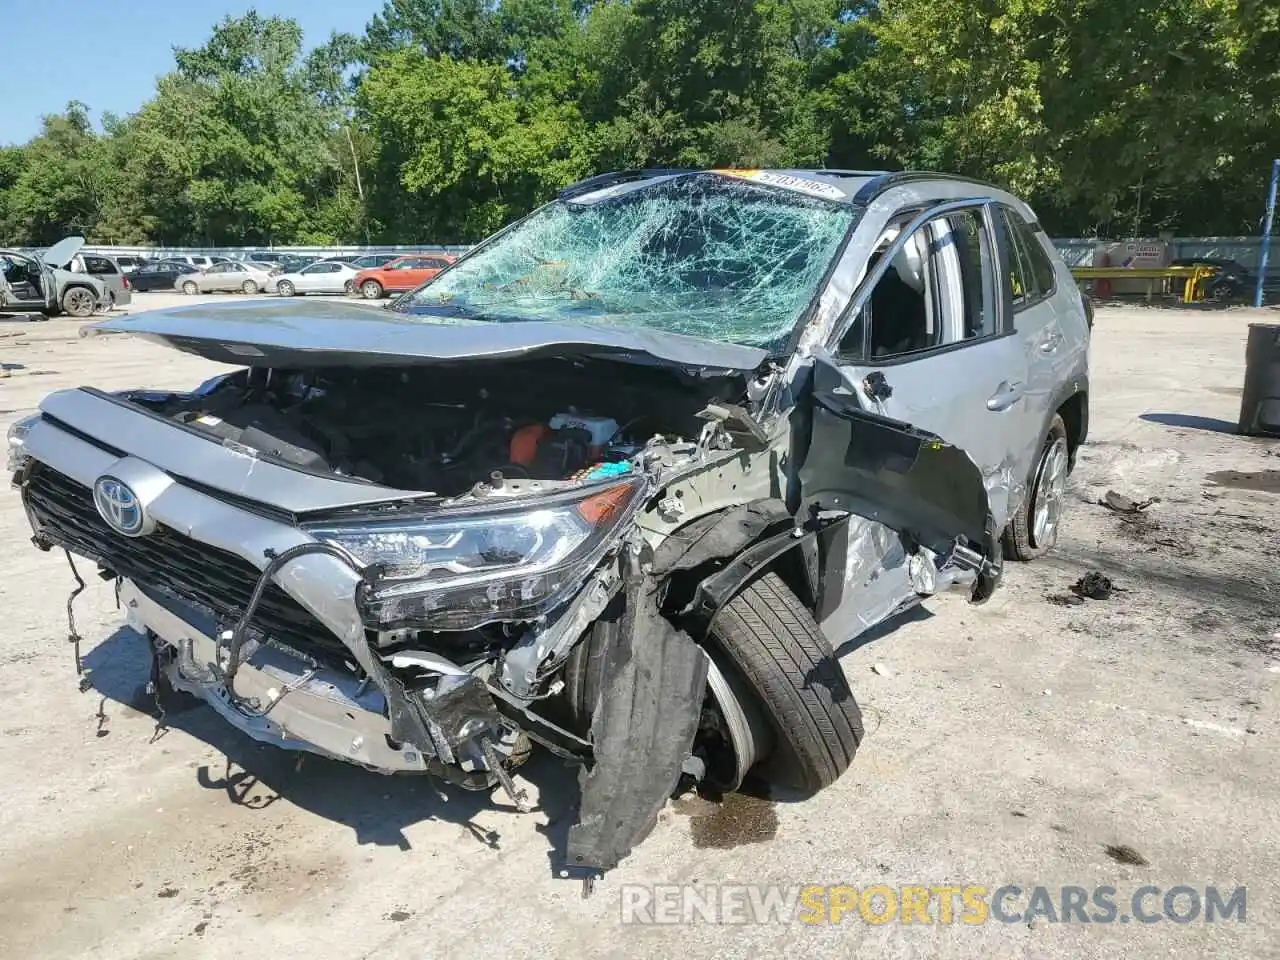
(108, 53)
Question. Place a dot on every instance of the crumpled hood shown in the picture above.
(289, 333)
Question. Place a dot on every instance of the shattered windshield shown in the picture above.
(703, 255)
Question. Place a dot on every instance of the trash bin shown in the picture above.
(1260, 402)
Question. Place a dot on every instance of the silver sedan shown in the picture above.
(234, 275)
(325, 276)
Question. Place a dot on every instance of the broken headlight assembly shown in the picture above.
(461, 570)
(18, 431)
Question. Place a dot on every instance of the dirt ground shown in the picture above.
(1035, 740)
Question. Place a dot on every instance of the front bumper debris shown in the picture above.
(288, 702)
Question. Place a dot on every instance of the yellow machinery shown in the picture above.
(1192, 277)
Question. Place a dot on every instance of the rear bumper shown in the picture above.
(289, 703)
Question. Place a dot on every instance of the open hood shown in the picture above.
(60, 254)
(291, 334)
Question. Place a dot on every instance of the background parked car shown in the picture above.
(36, 285)
(292, 263)
(128, 263)
(1232, 282)
(371, 260)
(327, 276)
(244, 277)
(197, 260)
(162, 275)
(108, 271)
(402, 274)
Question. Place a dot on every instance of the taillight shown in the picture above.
(125, 280)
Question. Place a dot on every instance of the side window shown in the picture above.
(99, 265)
(974, 273)
(1014, 273)
(1041, 267)
(1030, 274)
(937, 291)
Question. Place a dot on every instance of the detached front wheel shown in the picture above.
(785, 660)
(779, 672)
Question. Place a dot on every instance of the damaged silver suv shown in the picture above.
(615, 483)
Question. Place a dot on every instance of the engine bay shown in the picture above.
(442, 431)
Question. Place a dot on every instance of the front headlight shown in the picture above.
(460, 572)
(18, 431)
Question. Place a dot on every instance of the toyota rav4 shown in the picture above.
(615, 483)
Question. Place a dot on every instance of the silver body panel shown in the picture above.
(327, 333)
(178, 453)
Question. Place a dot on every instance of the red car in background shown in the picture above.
(405, 273)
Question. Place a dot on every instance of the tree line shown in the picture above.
(448, 118)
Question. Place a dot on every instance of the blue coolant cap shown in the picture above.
(607, 470)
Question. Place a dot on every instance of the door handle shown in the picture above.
(1006, 395)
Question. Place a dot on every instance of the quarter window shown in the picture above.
(1029, 276)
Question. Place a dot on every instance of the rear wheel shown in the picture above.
(285, 289)
(78, 302)
(1034, 529)
(371, 289)
(349, 287)
(249, 287)
(190, 288)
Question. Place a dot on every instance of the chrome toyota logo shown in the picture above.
(119, 506)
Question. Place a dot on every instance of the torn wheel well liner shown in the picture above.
(1074, 411)
(737, 544)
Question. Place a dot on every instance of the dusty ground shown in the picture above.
(1007, 744)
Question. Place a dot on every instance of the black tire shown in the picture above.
(349, 287)
(371, 290)
(1020, 540)
(285, 289)
(250, 287)
(783, 658)
(78, 302)
(190, 288)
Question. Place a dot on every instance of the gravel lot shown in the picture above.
(1012, 743)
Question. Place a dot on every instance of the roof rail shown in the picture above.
(886, 181)
(602, 180)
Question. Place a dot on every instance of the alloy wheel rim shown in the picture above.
(1050, 494)
(78, 300)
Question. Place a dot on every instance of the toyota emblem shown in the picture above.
(119, 506)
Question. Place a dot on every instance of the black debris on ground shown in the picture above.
(1123, 853)
(1094, 586)
(1119, 503)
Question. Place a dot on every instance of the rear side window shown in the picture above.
(1029, 275)
(99, 265)
(1041, 265)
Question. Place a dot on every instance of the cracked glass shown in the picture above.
(702, 255)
